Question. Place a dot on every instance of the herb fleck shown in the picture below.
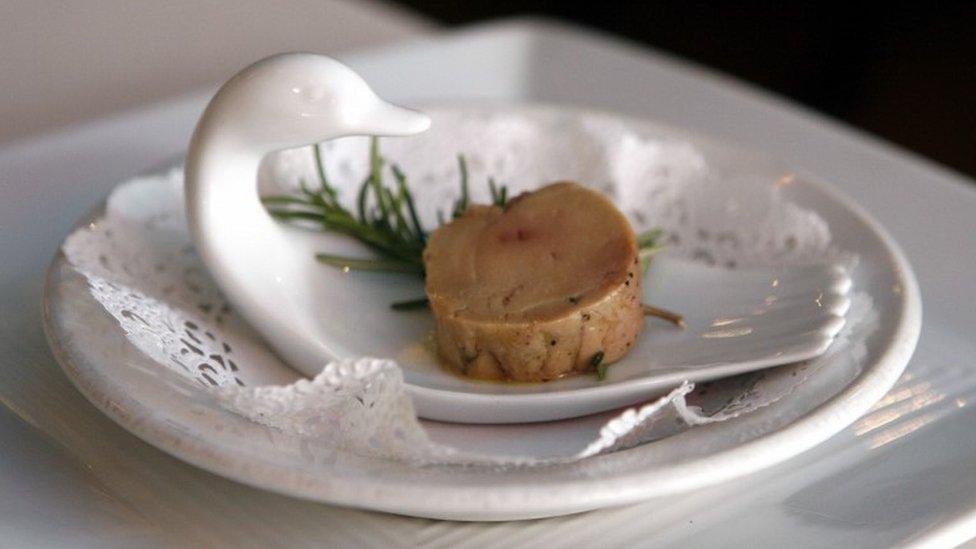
(410, 305)
(599, 366)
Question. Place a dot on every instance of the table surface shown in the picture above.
(66, 62)
(906, 473)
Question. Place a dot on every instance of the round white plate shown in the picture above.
(162, 409)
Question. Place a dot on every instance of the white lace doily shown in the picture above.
(141, 266)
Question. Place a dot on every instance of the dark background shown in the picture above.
(907, 74)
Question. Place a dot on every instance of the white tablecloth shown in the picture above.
(69, 476)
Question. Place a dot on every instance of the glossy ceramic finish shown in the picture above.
(284, 101)
(901, 474)
(188, 424)
(737, 322)
(270, 275)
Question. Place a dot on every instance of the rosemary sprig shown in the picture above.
(462, 203)
(386, 218)
(354, 264)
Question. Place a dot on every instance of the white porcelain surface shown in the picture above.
(154, 405)
(737, 322)
(306, 312)
(902, 474)
(284, 101)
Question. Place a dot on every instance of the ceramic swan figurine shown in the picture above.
(285, 101)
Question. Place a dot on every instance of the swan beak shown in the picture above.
(385, 119)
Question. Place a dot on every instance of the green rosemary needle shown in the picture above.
(410, 305)
(359, 264)
(649, 243)
(598, 366)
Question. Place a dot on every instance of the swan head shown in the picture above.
(295, 99)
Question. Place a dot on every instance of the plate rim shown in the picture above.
(572, 495)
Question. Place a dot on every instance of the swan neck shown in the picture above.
(224, 209)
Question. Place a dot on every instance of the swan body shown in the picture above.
(284, 101)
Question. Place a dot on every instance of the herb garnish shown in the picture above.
(599, 366)
(386, 218)
(410, 305)
(648, 244)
